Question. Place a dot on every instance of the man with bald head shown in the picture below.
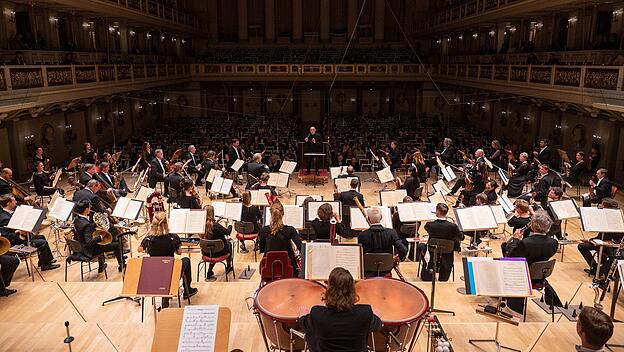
(314, 144)
(5, 186)
(378, 239)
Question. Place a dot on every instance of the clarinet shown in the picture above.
(522, 229)
(603, 284)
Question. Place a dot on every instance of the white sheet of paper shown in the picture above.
(258, 197)
(385, 175)
(198, 332)
(602, 220)
(343, 184)
(392, 198)
(321, 258)
(143, 193)
(127, 208)
(436, 198)
(564, 209)
(195, 221)
(212, 174)
(61, 210)
(503, 176)
(501, 278)
(278, 179)
(293, 216)
(476, 218)
(499, 214)
(300, 198)
(334, 172)
(448, 173)
(237, 164)
(416, 211)
(216, 184)
(177, 220)
(226, 186)
(24, 218)
(441, 187)
(506, 203)
(358, 221)
(229, 210)
(313, 208)
(288, 167)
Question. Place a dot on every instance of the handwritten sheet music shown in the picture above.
(299, 198)
(564, 209)
(392, 198)
(385, 175)
(61, 210)
(441, 187)
(199, 329)
(288, 166)
(237, 165)
(321, 258)
(212, 174)
(602, 220)
(313, 208)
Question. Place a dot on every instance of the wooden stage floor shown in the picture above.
(32, 319)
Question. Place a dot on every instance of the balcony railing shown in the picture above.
(573, 57)
(50, 57)
(19, 78)
(161, 11)
(581, 77)
(309, 70)
(459, 12)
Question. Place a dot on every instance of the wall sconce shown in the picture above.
(492, 32)
(98, 118)
(572, 20)
(597, 136)
(512, 29)
(526, 118)
(132, 33)
(461, 37)
(147, 35)
(558, 127)
(618, 12)
(53, 20)
(353, 100)
(111, 29)
(174, 39)
(183, 41)
(162, 37)
(439, 41)
(448, 40)
(10, 13)
(475, 35)
(30, 137)
(234, 100)
(387, 100)
(86, 26)
(67, 127)
(167, 100)
(269, 100)
(539, 25)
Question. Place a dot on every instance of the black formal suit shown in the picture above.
(83, 233)
(42, 183)
(175, 186)
(346, 198)
(543, 186)
(8, 265)
(447, 154)
(107, 179)
(84, 178)
(37, 241)
(192, 167)
(535, 248)
(378, 239)
(602, 190)
(256, 169)
(233, 155)
(328, 329)
(313, 147)
(97, 205)
(157, 174)
(445, 230)
(395, 158)
(545, 156)
(576, 172)
(5, 188)
(410, 185)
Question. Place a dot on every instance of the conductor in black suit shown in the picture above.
(378, 239)
(538, 247)
(347, 198)
(602, 189)
(314, 144)
(443, 229)
(158, 171)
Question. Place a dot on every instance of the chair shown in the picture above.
(412, 231)
(418, 193)
(443, 247)
(538, 272)
(376, 263)
(275, 265)
(75, 249)
(614, 191)
(245, 231)
(210, 247)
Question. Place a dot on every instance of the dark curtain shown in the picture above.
(338, 16)
(283, 17)
(368, 13)
(311, 15)
(255, 13)
(227, 12)
(392, 28)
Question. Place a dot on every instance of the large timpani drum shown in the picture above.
(400, 305)
(278, 305)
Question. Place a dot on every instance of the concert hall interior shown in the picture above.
(311, 175)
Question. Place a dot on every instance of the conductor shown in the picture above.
(313, 144)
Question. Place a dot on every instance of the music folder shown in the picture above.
(127, 208)
(26, 218)
(278, 179)
(288, 167)
(334, 172)
(221, 185)
(237, 165)
(152, 276)
(564, 209)
(417, 211)
(258, 197)
(228, 210)
(212, 174)
(299, 198)
(320, 258)
(601, 220)
(143, 193)
(391, 198)
(61, 209)
(359, 222)
(502, 277)
(188, 221)
(343, 184)
(293, 216)
(475, 218)
(313, 208)
(441, 187)
(385, 175)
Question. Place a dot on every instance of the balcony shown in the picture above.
(54, 57)
(571, 57)
(24, 87)
(583, 85)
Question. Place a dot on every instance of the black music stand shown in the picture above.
(440, 246)
(314, 157)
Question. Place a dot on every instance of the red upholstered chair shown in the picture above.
(209, 247)
(274, 266)
(614, 190)
(245, 232)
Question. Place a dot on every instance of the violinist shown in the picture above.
(195, 165)
(599, 189)
(576, 172)
(411, 183)
(40, 158)
(545, 180)
(175, 182)
(421, 168)
(519, 176)
(189, 198)
(7, 188)
(112, 173)
(42, 182)
(110, 182)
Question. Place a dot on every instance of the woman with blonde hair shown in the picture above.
(279, 237)
(215, 231)
(160, 243)
(340, 325)
(421, 166)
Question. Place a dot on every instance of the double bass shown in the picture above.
(19, 191)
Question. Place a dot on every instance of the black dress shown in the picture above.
(322, 229)
(253, 215)
(281, 241)
(188, 202)
(41, 181)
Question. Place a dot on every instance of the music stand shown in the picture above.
(314, 157)
(440, 246)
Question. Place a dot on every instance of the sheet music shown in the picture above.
(385, 175)
(226, 186)
(195, 221)
(564, 209)
(499, 214)
(501, 278)
(436, 198)
(258, 197)
(602, 220)
(216, 184)
(288, 166)
(61, 210)
(25, 218)
(299, 198)
(127, 208)
(343, 184)
(392, 198)
(143, 193)
(334, 172)
(486, 277)
(313, 208)
(441, 187)
(198, 332)
(416, 211)
(237, 165)
(448, 173)
(278, 179)
(177, 220)
(359, 222)
(57, 177)
(620, 265)
(321, 258)
(293, 216)
(230, 210)
(503, 176)
(475, 218)
(506, 203)
(212, 174)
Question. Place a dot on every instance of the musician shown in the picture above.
(378, 239)
(498, 152)
(520, 220)
(340, 325)
(555, 194)
(490, 191)
(39, 158)
(475, 176)
(347, 199)
(160, 243)
(350, 174)
(43, 183)
(234, 153)
(601, 189)
(586, 248)
(519, 178)
(8, 265)
(84, 228)
(576, 172)
(194, 165)
(544, 155)
(397, 225)
(90, 193)
(88, 155)
(158, 171)
(6, 188)
(87, 175)
(545, 180)
(411, 184)
(256, 167)
(421, 167)
(214, 231)
(263, 183)
(279, 237)
(209, 163)
(146, 156)
(112, 172)
(321, 224)
(537, 247)
(105, 177)
(46, 259)
(395, 156)
(595, 328)
(314, 145)
(189, 198)
(443, 229)
(175, 179)
(250, 213)
(447, 155)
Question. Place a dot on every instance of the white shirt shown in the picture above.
(161, 164)
(237, 155)
(8, 211)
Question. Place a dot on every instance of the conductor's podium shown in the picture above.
(311, 178)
